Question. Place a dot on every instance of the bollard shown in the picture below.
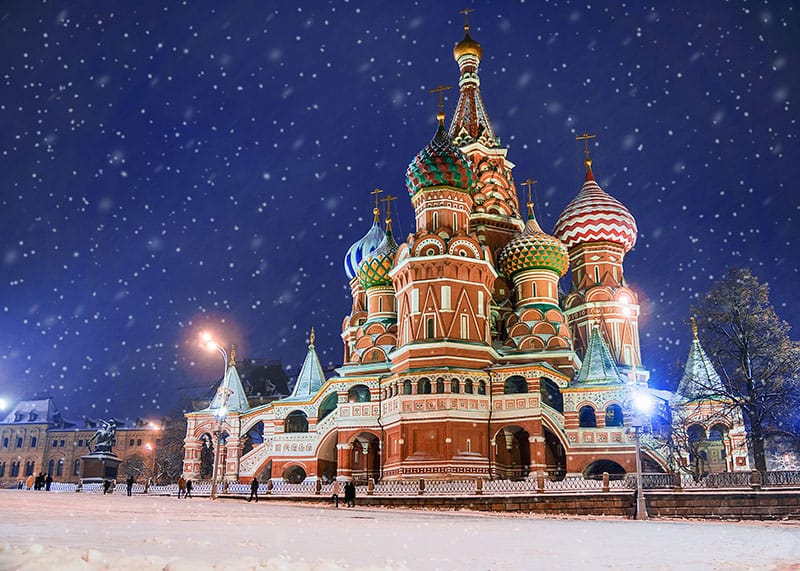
(371, 486)
(318, 487)
(269, 486)
(479, 487)
(606, 485)
(421, 486)
(755, 480)
(540, 482)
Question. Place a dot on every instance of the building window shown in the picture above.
(19, 441)
(130, 442)
(51, 466)
(430, 329)
(139, 442)
(614, 415)
(440, 386)
(455, 386)
(515, 385)
(480, 304)
(55, 443)
(533, 289)
(482, 388)
(14, 469)
(76, 468)
(596, 275)
(469, 445)
(5, 442)
(60, 467)
(468, 386)
(435, 221)
(80, 442)
(297, 421)
(446, 297)
(29, 466)
(2, 469)
(61, 443)
(464, 326)
(586, 417)
(33, 442)
(407, 387)
(423, 386)
(455, 222)
(414, 301)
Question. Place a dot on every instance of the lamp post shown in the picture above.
(642, 405)
(223, 392)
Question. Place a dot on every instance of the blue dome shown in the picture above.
(361, 249)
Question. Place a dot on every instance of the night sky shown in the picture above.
(172, 166)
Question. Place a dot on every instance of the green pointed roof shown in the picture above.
(598, 366)
(311, 377)
(700, 379)
(237, 399)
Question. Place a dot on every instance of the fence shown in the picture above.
(419, 487)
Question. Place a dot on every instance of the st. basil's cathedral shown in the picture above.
(462, 356)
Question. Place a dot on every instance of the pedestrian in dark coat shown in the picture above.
(188, 493)
(106, 486)
(39, 482)
(253, 490)
(129, 485)
(47, 482)
(350, 494)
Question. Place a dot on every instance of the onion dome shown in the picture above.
(467, 46)
(374, 270)
(363, 247)
(440, 163)
(595, 216)
(533, 249)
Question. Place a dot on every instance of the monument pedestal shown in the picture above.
(99, 466)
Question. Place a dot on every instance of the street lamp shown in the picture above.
(223, 392)
(642, 407)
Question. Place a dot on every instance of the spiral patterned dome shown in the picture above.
(374, 270)
(440, 163)
(595, 216)
(533, 249)
(362, 248)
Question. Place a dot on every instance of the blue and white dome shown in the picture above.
(358, 252)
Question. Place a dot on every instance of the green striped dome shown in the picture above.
(374, 270)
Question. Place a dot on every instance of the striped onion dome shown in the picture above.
(362, 248)
(595, 216)
(440, 163)
(533, 249)
(374, 270)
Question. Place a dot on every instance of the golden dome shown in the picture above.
(467, 46)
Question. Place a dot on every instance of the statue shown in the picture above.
(104, 438)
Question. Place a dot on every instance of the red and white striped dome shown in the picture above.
(595, 216)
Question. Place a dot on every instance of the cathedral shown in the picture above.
(462, 356)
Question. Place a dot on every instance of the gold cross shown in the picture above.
(466, 12)
(528, 183)
(388, 200)
(585, 138)
(376, 211)
(440, 89)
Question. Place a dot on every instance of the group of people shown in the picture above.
(349, 493)
(184, 488)
(40, 482)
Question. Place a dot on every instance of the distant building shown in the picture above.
(35, 437)
(462, 358)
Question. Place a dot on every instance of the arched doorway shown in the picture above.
(207, 455)
(253, 437)
(366, 462)
(512, 453)
(327, 457)
(594, 471)
(294, 474)
(327, 406)
(555, 457)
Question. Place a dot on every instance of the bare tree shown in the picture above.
(758, 362)
(168, 462)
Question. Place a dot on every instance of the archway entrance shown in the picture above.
(327, 457)
(512, 453)
(366, 458)
(555, 458)
(594, 471)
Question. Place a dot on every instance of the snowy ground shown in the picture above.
(41, 531)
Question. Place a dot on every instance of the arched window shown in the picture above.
(716, 432)
(515, 385)
(614, 415)
(327, 406)
(424, 386)
(297, 421)
(551, 395)
(2, 469)
(696, 433)
(482, 387)
(407, 387)
(468, 386)
(358, 393)
(51, 466)
(455, 387)
(430, 329)
(586, 417)
(60, 467)
(439, 386)
(294, 474)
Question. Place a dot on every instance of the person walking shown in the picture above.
(350, 494)
(253, 490)
(129, 485)
(106, 486)
(336, 490)
(30, 481)
(181, 487)
(39, 482)
(188, 493)
(47, 482)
